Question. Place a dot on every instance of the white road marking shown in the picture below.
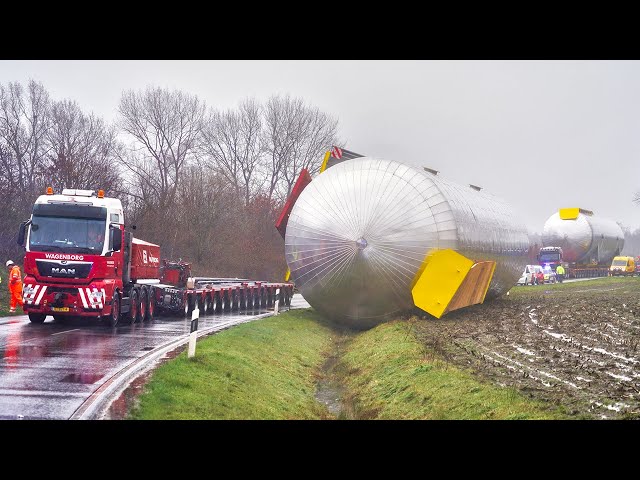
(66, 331)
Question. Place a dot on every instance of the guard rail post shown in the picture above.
(195, 314)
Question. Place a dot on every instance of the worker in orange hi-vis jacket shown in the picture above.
(15, 285)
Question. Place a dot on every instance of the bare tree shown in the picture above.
(318, 131)
(207, 202)
(82, 150)
(24, 122)
(165, 126)
(231, 142)
(296, 137)
(280, 135)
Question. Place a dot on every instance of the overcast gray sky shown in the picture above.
(542, 135)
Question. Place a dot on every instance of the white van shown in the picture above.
(527, 276)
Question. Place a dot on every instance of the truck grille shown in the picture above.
(49, 268)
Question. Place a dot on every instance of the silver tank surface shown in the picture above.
(587, 239)
(359, 232)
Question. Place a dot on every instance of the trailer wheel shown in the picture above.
(234, 300)
(287, 297)
(269, 297)
(188, 300)
(37, 317)
(205, 303)
(114, 315)
(263, 297)
(134, 307)
(244, 300)
(143, 302)
(151, 305)
(217, 307)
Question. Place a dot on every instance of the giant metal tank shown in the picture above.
(360, 231)
(585, 238)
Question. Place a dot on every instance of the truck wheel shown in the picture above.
(151, 305)
(134, 307)
(37, 317)
(142, 308)
(114, 315)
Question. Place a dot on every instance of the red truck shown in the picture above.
(81, 261)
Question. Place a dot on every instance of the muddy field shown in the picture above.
(575, 344)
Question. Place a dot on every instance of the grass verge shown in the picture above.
(259, 370)
(595, 284)
(389, 375)
(5, 299)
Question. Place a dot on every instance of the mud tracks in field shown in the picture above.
(578, 349)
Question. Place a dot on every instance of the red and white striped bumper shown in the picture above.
(32, 294)
(92, 298)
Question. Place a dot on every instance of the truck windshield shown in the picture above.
(546, 257)
(52, 231)
(619, 263)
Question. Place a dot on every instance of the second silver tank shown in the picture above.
(587, 239)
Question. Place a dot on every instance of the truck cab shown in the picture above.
(81, 262)
(551, 256)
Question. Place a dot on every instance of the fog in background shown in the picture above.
(542, 135)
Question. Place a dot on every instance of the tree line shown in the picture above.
(205, 184)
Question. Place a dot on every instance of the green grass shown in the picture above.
(598, 284)
(389, 375)
(4, 299)
(264, 369)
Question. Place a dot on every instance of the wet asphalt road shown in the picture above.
(47, 371)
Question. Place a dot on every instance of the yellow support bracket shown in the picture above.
(569, 213)
(447, 281)
(324, 162)
(572, 213)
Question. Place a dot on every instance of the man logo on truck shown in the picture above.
(63, 271)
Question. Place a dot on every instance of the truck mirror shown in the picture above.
(115, 239)
(22, 232)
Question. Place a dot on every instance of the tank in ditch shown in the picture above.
(584, 237)
(360, 232)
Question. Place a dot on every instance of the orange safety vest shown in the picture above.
(15, 287)
(14, 276)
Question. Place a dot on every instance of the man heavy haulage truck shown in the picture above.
(81, 261)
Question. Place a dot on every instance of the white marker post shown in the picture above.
(277, 302)
(194, 332)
